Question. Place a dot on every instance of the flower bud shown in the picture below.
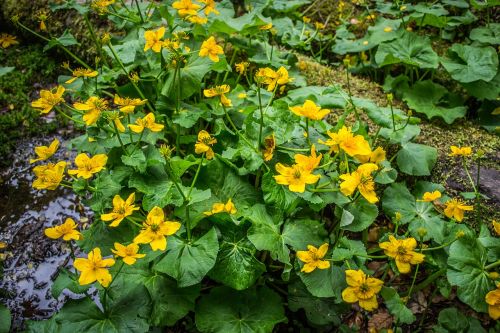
(460, 234)
(493, 275)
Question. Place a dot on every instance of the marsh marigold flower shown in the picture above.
(361, 180)
(121, 209)
(7, 40)
(48, 99)
(402, 252)
(153, 39)
(270, 145)
(377, 156)
(93, 108)
(362, 289)
(220, 207)
(196, 19)
(81, 72)
(67, 231)
(87, 166)
(312, 258)
(268, 26)
(128, 105)
(44, 153)
(94, 268)
(155, 228)
(273, 78)
(351, 144)
(310, 110)
(101, 6)
(48, 176)
(210, 7)
(242, 67)
(430, 196)
(295, 177)
(455, 208)
(219, 91)
(308, 163)
(496, 227)
(493, 300)
(186, 7)
(128, 253)
(204, 144)
(460, 151)
(209, 48)
(147, 122)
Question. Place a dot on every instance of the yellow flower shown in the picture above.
(361, 180)
(496, 227)
(460, 151)
(377, 156)
(430, 196)
(242, 67)
(295, 177)
(219, 91)
(81, 72)
(351, 144)
(387, 29)
(94, 268)
(455, 208)
(44, 152)
(67, 231)
(319, 25)
(121, 209)
(153, 39)
(210, 7)
(197, 19)
(306, 19)
(273, 78)
(155, 228)
(128, 252)
(310, 110)
(268, 26)
(209, 48)
(87, 166)
(312, 258)
(7, 40)
(220, 207)
(127, 105)
(48, 99)
(493, 300)
(402, 251)
(93, 108)
(100, 6)
(147, 122)
(270, 145)
(362, 289)
(308, 163)
(185, 7)
(242, 95)
(48, 176)
(204, 144)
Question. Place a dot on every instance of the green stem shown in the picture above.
(261, 123)
(307, 132)
(119, 138)
(490, 266)
(413, 281)
(139, 10)
(104, 303)
(195, 177)
(68, 117)
(94, 39)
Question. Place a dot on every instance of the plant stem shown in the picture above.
(261, 123)
(413, 281)
(94, 39)
(119, 138)
(139, 10)
(104, 303)
(490, 266)
(195, 176)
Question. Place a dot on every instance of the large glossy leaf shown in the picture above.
(396, 306)
(416, 159)
(4, 319)
(324, 282)
(191, 76)
(488, 35)
(467, 63)
(364, 214)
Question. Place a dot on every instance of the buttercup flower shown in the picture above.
(127, 105)
(153, 39)
(310, 110)
(48, 99)
(319, 25)
(430, 196)
(460, 151)
(273, 78)
(185, 7)
(44, 152)
(101, 6)
(128, 253)
(455, 208)
(197, 19)
(210, 7)
(155, 228)
(295, 177)
(270, 145)
(93, 108)
(220, 207)
(94, 268)
(362, 289)
(312, 258)
(493, 300)
(48, 176)
(67, 231)
(361, 180)
(87, 166)
(204, 144)
(308, 163)
(209, 48)
(377, 156)
(7, 40)
(402, 251)
(351, 144)
(242, 67)
(496, 227)
(219, 91)
(147, 122)
(82, 72)
(121, 209)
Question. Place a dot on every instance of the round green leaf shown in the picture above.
(487, 35)
(467, 63)
(416, 159)
(364, 214)
(324, 282)
(4, 319)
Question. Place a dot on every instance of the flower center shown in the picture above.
(296, 174)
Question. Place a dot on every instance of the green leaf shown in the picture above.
(191, 76)
(466, 271)
(484, 90)
(5, 319)
(126, 51)
(349, 249)
(488, 35)
(298, 233)
(324, 282)
(396, 306)
(137, 160)
(188, 263)
(224, 310)
(278, 195)
(66, 39)
(416, 159)
(467, 63)
(364, 214)
(102, 236)
(67, 280)
(5, 70)
(452, 320)
(410, 49)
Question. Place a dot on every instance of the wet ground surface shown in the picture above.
(32, 260)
